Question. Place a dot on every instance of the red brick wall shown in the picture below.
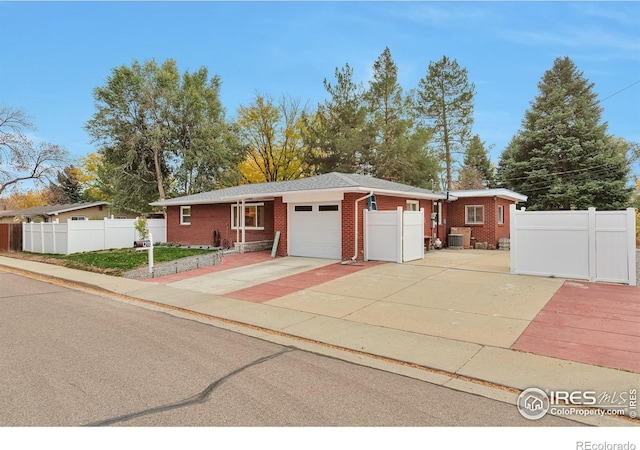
(280, 224)
(490, 231)
(206, 218)
(348, 228)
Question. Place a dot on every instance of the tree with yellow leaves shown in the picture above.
(273, 134)
(91, 166)
(28, 199)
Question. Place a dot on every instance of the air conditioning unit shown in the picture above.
(456, 241)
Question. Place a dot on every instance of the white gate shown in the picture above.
(413, 235)
(394, 236)
(591, 245)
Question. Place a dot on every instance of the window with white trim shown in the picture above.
(413, 205)
(78, 218)
(253, 216)
(500, 214)
(185, 215)
(474, 215)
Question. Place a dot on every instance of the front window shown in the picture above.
(185, 215)
(500, 214)
(412, 205)
(78, 218)
(474, 215)
(253, 216)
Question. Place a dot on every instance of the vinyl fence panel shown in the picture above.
(590, 245)
(86, 235)
(383, 235)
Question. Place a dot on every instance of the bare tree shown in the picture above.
(20, 158)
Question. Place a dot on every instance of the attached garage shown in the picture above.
(315, 230)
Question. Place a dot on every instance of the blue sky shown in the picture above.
(55, 53)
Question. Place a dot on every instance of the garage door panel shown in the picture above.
(314, 232)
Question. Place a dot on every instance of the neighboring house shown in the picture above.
(61, 213)
(484, 211)
(315, 216)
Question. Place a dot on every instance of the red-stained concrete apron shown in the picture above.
(264, 292)
(591, 323)
(288, 285)
(231, 261)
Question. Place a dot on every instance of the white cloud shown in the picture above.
(428, 13)
(607, 13)
(575, 37)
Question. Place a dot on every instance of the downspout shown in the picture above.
(355, 255)
(242, 221)
(236, 219)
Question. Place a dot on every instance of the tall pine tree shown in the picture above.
(399, 150)
(336, 134)
(477, 171)
(445, 100)
(563, 158)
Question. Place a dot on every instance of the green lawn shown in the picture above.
(118, 261)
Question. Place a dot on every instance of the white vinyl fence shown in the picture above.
(394, 236)
(86, 235)
(590, 245)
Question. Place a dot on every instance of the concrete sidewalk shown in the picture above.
(389, 316)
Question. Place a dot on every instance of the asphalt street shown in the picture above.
(72, 358)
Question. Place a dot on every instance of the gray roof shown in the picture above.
(330, 181)
(50, 210)
(497, 192)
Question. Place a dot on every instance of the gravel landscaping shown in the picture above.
(179, 265)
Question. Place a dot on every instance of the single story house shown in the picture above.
(485, 212)
(62, 213)
(319, 216)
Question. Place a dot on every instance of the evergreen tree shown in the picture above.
(563, 158)
(445, 100)
(399, 144)
(336, 134)
(477, 169)
(68, 188)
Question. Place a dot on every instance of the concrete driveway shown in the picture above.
(465, 295)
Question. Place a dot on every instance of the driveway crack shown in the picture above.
(193, 400)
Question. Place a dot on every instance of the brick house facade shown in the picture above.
(493, 207)
(207, 218)
(204, 219)
(212, 211)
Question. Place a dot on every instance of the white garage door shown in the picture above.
(315, 230)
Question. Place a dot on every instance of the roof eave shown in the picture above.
(235, 198)
(60, 211)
